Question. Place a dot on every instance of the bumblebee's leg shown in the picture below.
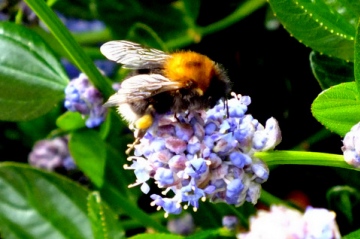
(177, 119)
(141, 125)
(132, 146)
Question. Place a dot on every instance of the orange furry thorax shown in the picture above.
(190, 67)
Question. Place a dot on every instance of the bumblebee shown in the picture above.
(163, 82)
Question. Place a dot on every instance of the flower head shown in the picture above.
(351, 147)
(81, 96)
(52, 154)
(283, 222)
(205, 155)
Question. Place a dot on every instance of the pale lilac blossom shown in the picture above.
(205, 155)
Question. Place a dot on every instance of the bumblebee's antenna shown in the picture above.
(226, 106)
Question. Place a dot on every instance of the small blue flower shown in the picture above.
(169, 205)
(184, 131)
(164, 177)
(210, 127)
(142, 170)
(191, 194)
(233, 191)
(194, 145)
(239, 159)
(195, 168)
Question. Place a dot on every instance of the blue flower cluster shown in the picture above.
(52, 154)
(351, 146)
(205, 155)
(81, 96)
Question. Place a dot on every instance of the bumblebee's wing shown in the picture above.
(133, 55)
(140, 87)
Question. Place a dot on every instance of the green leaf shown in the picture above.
(156, 236)
(357, 58)
(347, 9)
(344, 199)
(353, 235)
(70, 121)
(319, 25)
(338, 108)
(104, 222)
(38, 204)
(330, 71)
(115, 174)
(32, 80)
(207, 234)
(191, 9)
(89, 153)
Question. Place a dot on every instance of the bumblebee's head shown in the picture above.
(219, 87)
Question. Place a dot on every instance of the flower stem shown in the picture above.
(283, 157)
(197, 33)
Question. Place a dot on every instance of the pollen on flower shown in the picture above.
(203, 155)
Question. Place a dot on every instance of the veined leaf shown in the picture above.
(320, 25)
(70, 121)
(156, 236)
(330, 71)
(338, 108)
(357, 58)
(38, 204)
(104, 222)
(32, 80)
(89, 153)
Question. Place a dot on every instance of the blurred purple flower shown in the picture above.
(52, 154)
(182, 226)
(230, 222)
(283, 222)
